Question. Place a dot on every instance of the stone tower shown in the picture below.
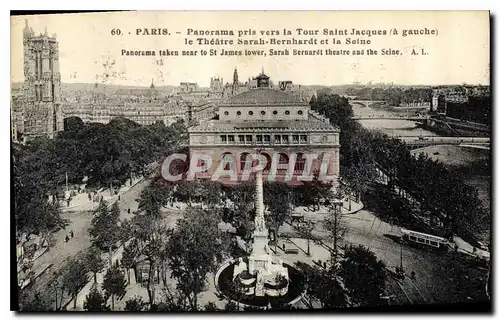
(236, 82)
(42, 85)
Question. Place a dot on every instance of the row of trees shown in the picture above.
(393, 95)
(107, 154)
(439, 191)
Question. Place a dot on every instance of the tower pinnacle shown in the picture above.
(235, 76)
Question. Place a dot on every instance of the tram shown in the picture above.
(423, 238)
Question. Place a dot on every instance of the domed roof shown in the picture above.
(264, 96)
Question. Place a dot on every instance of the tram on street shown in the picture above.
(423, 238)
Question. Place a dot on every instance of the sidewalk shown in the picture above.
(324, 211)
(81, 202)
(468, 249)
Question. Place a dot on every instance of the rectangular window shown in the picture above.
(284, 138)
(412, 238)
(259, 138)
(295, 138)
(267, 138)
(230, 138)
(434, 244)
(223, 138)
(303, 138)
(277, 139)
(241, 138)
(419, 240)
(249, 138)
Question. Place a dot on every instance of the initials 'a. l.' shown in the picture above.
(414, 53)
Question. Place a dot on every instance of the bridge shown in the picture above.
(366, 103)
(391, 117)
(424, 141)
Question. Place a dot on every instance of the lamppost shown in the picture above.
(336, 207)
(56, 283)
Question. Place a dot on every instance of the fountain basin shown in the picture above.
(278, 293)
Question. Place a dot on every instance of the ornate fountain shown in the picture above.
(260, 279)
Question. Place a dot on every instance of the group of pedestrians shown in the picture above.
(71, 235)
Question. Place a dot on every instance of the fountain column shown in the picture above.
(259, 259)
(260, 223)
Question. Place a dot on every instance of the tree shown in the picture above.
(198, 231)
(74, 277)
(114, 284)
(240, 213)
(93, 261)
(151, 234)
(105, 230)
(135, 304)
(95, 301)
(364, 276)
(211, 307)
(325, 286)
(336, 227)
(129, 257)
(312, 102)
(277, 199)
(36, 303)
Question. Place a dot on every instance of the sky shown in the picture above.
(459, 53)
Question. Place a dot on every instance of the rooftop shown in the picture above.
(264, 96)
(309, 125)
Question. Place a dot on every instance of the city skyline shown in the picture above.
(82, 60)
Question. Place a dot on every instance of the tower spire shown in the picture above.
(235, 76)
(45, 34)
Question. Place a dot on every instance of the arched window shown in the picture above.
(228, 160)
(300, 162)
(268, 164)
(283, 158)
(244, 157)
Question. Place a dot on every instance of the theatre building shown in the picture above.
(276, 124)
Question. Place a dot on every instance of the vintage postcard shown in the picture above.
(251, 161)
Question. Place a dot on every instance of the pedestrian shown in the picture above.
(68, 202)
(66, 239)
(413, 275)
(118, 197)
(71, 234)
(90, 197)
(128, 211)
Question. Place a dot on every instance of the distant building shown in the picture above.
(39, 104)
(145, 109)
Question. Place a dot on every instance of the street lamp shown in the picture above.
(308, 226)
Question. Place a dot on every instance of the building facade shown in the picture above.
(144, 108)
(41, 93)
(278, 125)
